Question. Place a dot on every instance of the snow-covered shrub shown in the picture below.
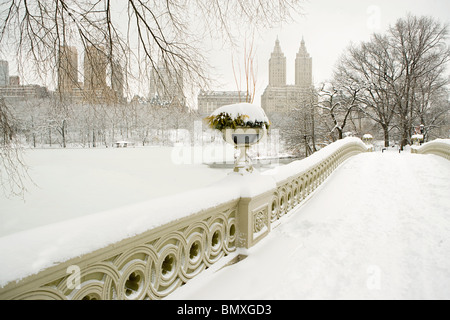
(238, 115)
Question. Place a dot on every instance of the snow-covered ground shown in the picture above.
(69, 183)
(122, 192)
(378, 228)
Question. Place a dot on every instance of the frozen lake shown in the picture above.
(70, 183)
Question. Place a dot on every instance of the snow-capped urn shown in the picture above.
(417, 139)
(241, 124)
(244, 115)
(368, 141)
(367, 138)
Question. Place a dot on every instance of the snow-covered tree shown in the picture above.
(337, 104)
(397, 73)
(13, 171)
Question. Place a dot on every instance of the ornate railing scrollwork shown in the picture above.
(151, 269)
(295, 189)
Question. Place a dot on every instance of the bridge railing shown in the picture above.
(149, 250)
(439, 147)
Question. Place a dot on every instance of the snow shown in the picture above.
(71, 183)
(250, 185)
(44, 246)
(58, 242)
(381, 221)
(446, 141)
(123, 192)
(80, 192)
(282, 173)
(253, 112)
(379, 228)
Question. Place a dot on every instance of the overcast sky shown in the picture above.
(328, 27)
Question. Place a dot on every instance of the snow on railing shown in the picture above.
(147, 251)
(300, 178)
(439, 147)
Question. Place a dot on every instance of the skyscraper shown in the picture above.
(95, 64)
(4, 73)
(303, 67)
(67, 69)
(277, 67)
(117, 79)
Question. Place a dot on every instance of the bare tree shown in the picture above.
(420, 46)
(398, 73)
(432, 109)
(297, 128)
(369, 71)
(338, 105)
(13, 171)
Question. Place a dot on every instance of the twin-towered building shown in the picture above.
(96, 66)
(277, 67)
(280, 96)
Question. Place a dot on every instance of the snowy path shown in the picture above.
(379, 228)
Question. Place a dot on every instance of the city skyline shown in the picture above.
(328, 27)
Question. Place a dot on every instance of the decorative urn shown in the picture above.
(242, 125)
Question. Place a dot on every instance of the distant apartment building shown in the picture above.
(67, 70)
(277, 67)
(4, 73)
(14, 81)
(117, 80)
(24, 92)
(281, 97)
(167, 86)
(209, 101)
(95, 63)
(95, 88)
(10, 88)
(303, 67)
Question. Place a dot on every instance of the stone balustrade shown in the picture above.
(439, 147)
(155, 262)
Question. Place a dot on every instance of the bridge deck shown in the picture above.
(378, 228)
